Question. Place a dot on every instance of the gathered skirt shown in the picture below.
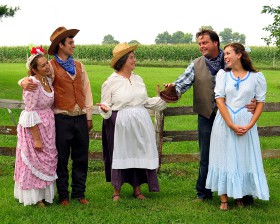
(235, 162)
(35, 171)
(129, 149)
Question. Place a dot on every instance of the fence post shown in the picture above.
(159, 126)
(273, 61)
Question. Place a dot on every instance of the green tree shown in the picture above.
(237, 37)
(206, 28)
(227, 36)
(274, 28)
(133, 42)
(177, 37)
(163, 38)
(6, 11)
(109, 39)
(181, 38)
(188, 38)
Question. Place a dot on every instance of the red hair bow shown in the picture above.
(37, 50)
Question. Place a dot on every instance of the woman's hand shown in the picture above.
(38, 145)
(241, 130)
(104, 108)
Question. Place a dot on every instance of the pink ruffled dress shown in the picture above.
(35, 171)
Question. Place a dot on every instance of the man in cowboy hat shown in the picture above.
(73, 113)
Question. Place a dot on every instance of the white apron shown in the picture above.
(134, 140)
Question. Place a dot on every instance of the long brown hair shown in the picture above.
(245, 59)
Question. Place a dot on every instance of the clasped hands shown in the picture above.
(240, 130)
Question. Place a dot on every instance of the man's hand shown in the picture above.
(89, 124)
(167, 85)
(252, 106)
(28, 84)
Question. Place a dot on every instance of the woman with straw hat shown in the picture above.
(128, 137)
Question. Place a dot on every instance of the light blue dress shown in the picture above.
(235, 162)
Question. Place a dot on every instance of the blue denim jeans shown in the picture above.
(204, 134)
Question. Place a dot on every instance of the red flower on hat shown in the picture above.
(37, 50)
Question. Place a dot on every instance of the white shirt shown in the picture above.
(119, 92)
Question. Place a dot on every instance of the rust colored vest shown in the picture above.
(67, 91)
(203, 89)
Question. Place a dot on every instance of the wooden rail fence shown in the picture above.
(162, 135)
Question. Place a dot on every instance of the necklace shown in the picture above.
(44, 80)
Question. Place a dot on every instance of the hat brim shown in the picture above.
(168, 99)
(59, 38)
(122, 53)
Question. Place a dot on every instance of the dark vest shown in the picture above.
(67, 91)
(203, 89)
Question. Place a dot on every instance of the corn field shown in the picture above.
(147, 55)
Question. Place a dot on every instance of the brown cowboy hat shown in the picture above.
(120, 50)
(58, 35)
(169, 94)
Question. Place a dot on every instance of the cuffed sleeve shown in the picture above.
(88, 95)
(106, 99)
(155, 103)
(186, 80)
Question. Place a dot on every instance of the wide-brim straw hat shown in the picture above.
(58, 35)
(120, 50)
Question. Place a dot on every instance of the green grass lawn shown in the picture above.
(174, 204)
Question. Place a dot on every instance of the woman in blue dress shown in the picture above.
(235, 160)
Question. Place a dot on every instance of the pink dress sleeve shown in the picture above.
(29, 116)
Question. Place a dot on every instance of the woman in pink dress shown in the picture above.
(36, 155)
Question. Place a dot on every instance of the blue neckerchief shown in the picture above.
(68, 65)
(215, 64)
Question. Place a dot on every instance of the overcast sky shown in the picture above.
(127, 20)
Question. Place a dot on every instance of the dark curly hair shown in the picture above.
(212, 34)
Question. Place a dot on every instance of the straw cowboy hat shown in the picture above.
(120, 50)
(58, 35)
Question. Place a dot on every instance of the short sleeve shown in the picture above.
(29, 117)
(261, 87)
(220, 84)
